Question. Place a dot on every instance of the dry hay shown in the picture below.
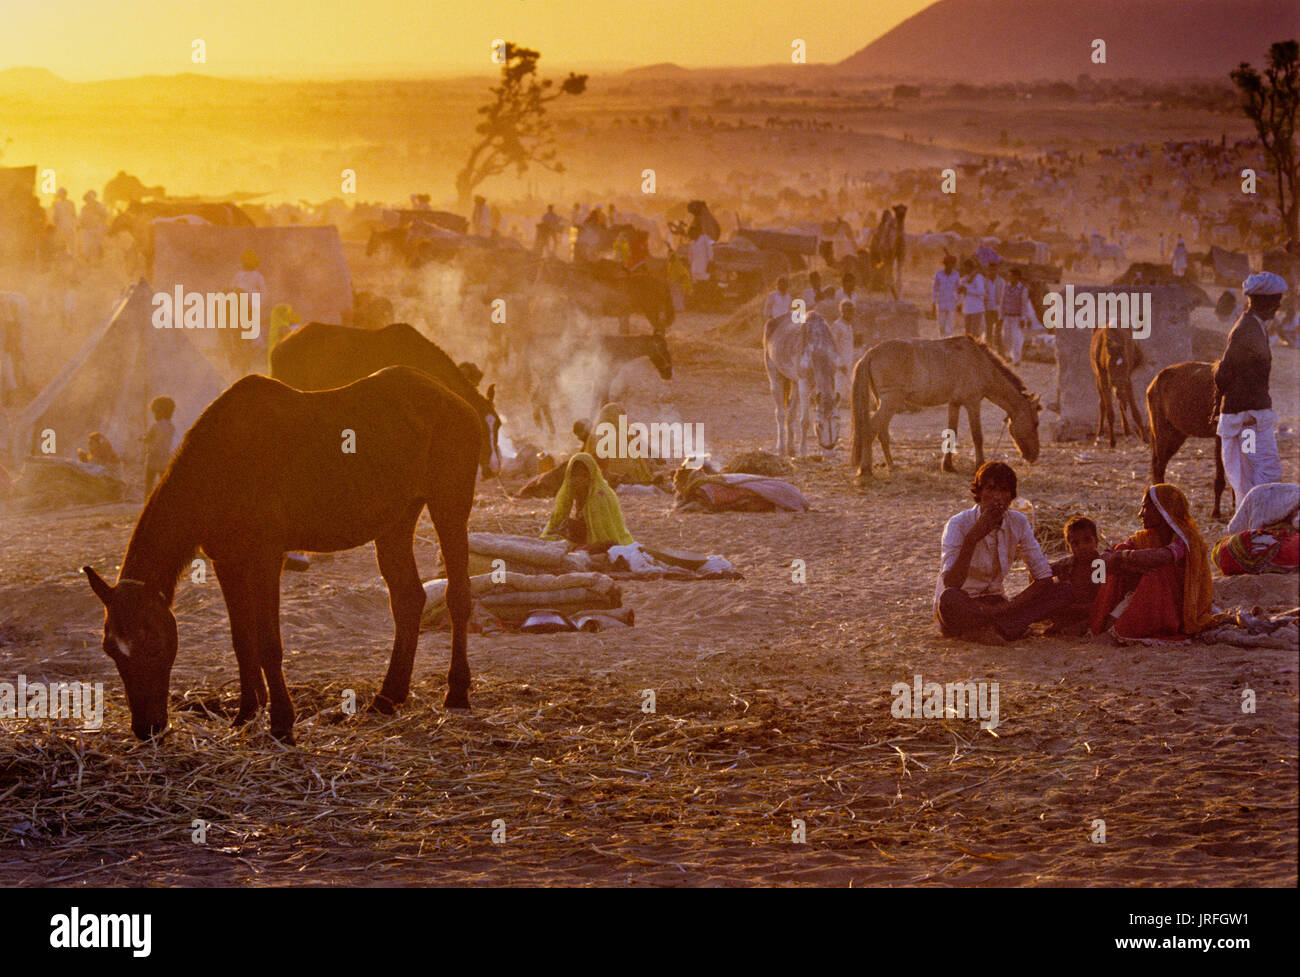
(56, 483)
(759, 463)
(590, 787)
(1049, 525)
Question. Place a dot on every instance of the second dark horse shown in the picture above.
(321, 356)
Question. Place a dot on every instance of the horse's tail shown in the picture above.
(1156, 420)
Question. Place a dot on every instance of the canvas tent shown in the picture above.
(303, 266)
(1230, 267)
(108, 383)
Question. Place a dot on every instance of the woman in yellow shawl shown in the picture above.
(597, 520)
(1158, 583)
(602, 444)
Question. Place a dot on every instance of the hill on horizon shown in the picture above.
(983, 41)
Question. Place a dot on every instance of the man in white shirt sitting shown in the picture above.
(944, 295)
(979, 546)
(778, 300)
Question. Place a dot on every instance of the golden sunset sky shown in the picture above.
(93, 39)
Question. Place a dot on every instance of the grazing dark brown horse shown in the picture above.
(1115, 355)
(319, 356)
(1180, 401)
(267, 469)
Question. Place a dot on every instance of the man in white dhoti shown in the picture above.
(1242, 402)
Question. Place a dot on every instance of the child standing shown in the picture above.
(158, 441)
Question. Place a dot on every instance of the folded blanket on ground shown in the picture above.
(1265, 505)
(1254, 629)
(635, 562)
(512, 596)
(1271, 549)
(548, 621)
(524, 554)
(737, 492)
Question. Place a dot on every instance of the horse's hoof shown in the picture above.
(285, 736)
(458, 702)
(242, 719)
(382, 704)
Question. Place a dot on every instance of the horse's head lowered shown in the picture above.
(824, 400)
(660, 356)
(140, 637)
(1023, 420)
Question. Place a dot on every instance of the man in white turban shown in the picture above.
(1242, 402)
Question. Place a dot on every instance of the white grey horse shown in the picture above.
(800, 357)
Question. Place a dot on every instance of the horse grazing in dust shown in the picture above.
(801, 359)
(267, 469)
(907, 375)
(320, 356)
(1180, 402)
(1115, 355)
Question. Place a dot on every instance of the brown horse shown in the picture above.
(267, 469)
(319, 356)
(1180, 402)
(1115, 355)
(907, 375)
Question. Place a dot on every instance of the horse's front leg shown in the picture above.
(233, 579)
(778, 397)
(406, 598)
(976, 432)
(265, 586)
(803, 403)
(949, 457)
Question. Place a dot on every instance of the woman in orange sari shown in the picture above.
(1158, 584)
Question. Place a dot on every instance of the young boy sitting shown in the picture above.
(1077, 570)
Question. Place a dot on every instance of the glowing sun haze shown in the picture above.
(94, 39)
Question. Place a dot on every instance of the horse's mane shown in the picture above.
(1002, 365)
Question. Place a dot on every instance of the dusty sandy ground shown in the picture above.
(772, 704)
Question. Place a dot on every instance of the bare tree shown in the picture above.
(1270, 102)
(515, 130)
